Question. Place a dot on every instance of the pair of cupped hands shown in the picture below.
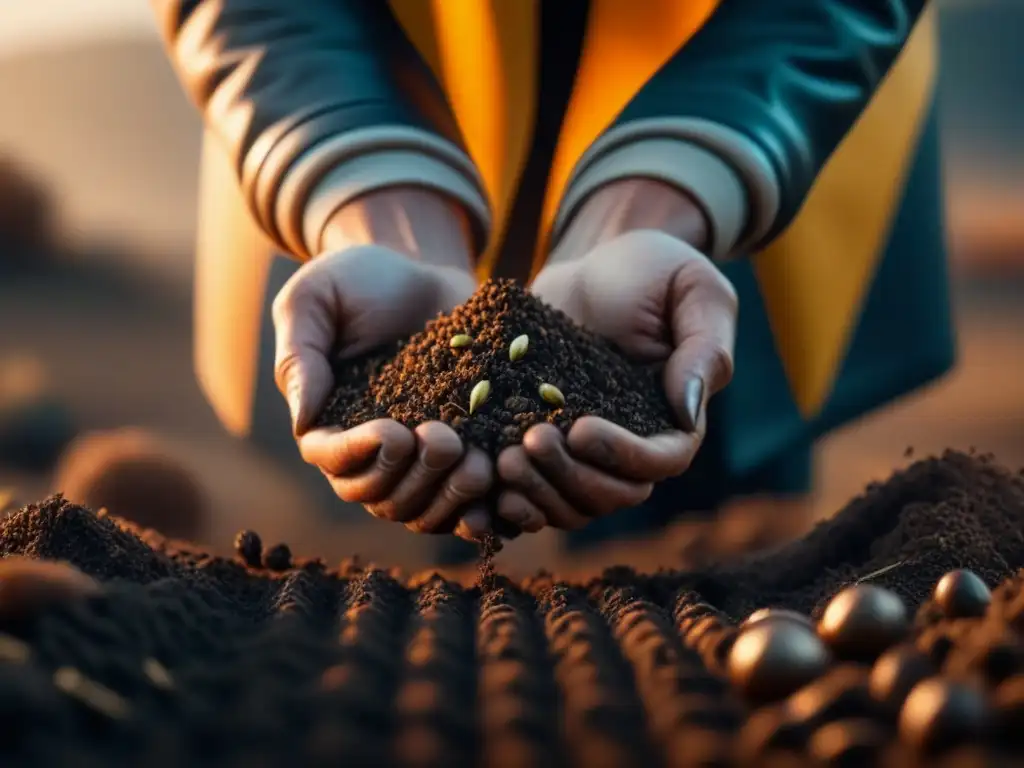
(627, 269)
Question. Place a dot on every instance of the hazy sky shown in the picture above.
(35, 23)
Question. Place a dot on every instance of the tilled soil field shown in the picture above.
(884, 647)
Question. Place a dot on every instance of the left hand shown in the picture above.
(660, 301)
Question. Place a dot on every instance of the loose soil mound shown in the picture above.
(187, 659)
(427, 379)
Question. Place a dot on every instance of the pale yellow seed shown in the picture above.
(157, 674)
(99, 697)
(552, 395)
(517, 349)
(479, 394)
(460, 340)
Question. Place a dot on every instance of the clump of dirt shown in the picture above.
(427, 378)
(184, 658)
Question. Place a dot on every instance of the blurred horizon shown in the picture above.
(99, 117)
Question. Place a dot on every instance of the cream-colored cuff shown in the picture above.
(725, 172)
(340, 169)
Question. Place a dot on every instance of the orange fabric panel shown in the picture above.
(626, 43)
(484, 53)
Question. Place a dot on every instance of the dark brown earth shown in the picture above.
(188, 659)
(426, 379)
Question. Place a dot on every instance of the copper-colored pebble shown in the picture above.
(939, 714)
(896, 673)
(771, 659)
(862, 621)
(962, 594)
(847, 743)
(278, 558)
(765, 614)
(249, 547)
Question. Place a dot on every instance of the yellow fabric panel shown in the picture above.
(484, 53)
(815, 276)
(626, 42)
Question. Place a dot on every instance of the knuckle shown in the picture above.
(284, 302)
(720, 364)
(457, 492)
(283, 368)
(727, 295)
(604, 452)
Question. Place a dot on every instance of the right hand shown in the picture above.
(350, 302)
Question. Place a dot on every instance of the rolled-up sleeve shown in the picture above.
(746, 114)
(317, 103)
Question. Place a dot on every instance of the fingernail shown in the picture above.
(295, 403)
(693, 401)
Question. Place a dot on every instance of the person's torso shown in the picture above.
(843, 311)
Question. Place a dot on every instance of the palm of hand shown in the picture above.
(348, 303)
(660, 301)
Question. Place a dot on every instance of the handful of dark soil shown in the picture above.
(494, 367)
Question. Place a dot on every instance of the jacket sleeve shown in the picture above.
(746, 114)
(316, 102)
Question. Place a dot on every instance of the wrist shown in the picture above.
(628, 205)
(422, 224)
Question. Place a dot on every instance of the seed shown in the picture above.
(157, 674)
(479, 394)
(99, 697)
(460, 340)
(517, 349)
(552, 395)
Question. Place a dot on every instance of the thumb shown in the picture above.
(703, 308)
(304, 330)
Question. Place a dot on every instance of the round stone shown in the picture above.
(962, 594)
(896, 673)
(939, 714)
(250, 548)
(766, 614)
(771, 659)
(862, 621)
(278, 558)
(852, 743)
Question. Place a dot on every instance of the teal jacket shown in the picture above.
(806, 128)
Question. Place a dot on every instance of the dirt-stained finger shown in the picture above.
(438, 450)
(592, 491)
(469, 481)
(624, 454)
(516, 469)
(364, 463)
